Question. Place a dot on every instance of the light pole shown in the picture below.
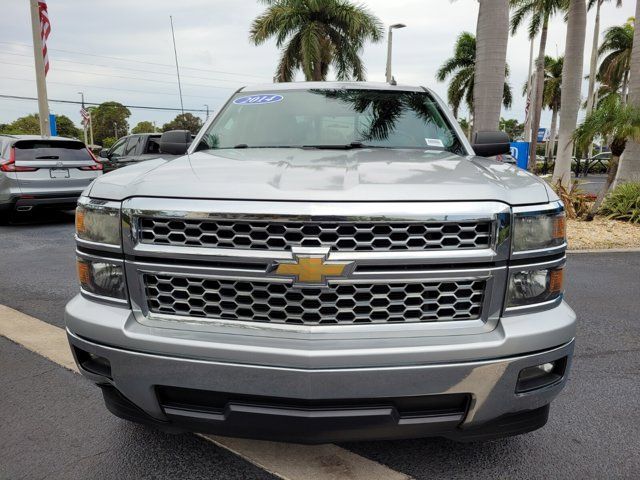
(207, 106)
(389, 42)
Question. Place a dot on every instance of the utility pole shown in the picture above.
(41, 83)
(90, 126)
(84, 121)
(389, 48)
(207, 106)
(115, 129)
(175, 53)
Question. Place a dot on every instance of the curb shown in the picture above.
(607, 250)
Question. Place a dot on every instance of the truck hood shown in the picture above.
(324, 175)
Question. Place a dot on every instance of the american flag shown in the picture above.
(86, 118)
(45, 30)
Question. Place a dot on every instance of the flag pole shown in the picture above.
(90, 127)
(41, 83)
(84, 121)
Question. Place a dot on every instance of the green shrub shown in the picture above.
(623, 203)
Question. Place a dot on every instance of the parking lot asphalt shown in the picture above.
(54, 424)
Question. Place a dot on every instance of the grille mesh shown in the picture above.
(345, 237)
(332, 304)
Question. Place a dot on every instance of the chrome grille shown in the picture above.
(341, 237)
(358, 303)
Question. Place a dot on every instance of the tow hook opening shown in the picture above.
(540, 376)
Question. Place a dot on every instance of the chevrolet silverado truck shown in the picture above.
(327, 262)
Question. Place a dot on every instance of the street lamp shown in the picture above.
(389, 42)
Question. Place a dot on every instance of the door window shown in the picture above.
(118, 149)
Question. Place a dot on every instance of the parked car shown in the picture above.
(330, 261)
(136, 148)
(43, 172)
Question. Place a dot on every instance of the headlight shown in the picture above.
(101, 277)
(538, 231)
(98, 221)
(528, 287)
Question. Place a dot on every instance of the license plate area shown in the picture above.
(59, 172)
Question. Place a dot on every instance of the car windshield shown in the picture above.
(342, 118)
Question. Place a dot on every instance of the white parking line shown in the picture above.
(285, 460)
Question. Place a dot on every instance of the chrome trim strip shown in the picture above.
(534, 307)
(97, 245)
(541, 251)
(89, 256)
(548, 208)
(102, 298)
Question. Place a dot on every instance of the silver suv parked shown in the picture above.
(328, 262)
(37, 171)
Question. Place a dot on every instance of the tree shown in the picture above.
(109, 120)
(316, 34)
(552, 98)
(594, 51)
(66, 127)
(512, 127)
(30, 125)
(616, 122)
(492, 33)
(184, 121)
(571, 83)
(540, 12)
(630, 163)
(144, 127)
(615, 67)
(461, 68)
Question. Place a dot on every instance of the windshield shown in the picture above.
(342, 118)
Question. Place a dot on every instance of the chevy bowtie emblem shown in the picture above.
(312, 269)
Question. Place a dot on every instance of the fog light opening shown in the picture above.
(540, 376)
(93, 363)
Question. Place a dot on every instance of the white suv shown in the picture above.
(37, 171)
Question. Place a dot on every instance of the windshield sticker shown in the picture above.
(258, 99)
(434, 142)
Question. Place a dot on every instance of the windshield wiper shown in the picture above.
(344, 146)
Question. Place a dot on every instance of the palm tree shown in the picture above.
(630, 164)
(316, 34)
(551, 98)
(614, 121)
(492, 34)
(571, 86)
(461, 68)
(594, 51)
(540, 12)
(615, 66)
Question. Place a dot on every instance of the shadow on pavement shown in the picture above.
(42, 217)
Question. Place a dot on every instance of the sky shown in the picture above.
(121, 50)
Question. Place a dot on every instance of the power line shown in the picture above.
(60, 60)
(75, 102)
(137, 61)
(144, 92)
(121, 76)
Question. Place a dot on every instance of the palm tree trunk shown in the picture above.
(594, 59)
(552, 134)
(492, 34)
(571, 83)
(611, 175)
(625, 86)
(629, 170)
(317, 71)
(539, 90)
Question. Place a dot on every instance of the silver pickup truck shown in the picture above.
(328, 262)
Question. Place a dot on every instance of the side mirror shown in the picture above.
(489, 144)
(104, 153)
(175, 142)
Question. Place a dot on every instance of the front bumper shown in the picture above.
(313, 403)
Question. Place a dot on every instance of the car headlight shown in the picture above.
(538, 231)
(102, 277)
(98, 221)
(528, 287)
